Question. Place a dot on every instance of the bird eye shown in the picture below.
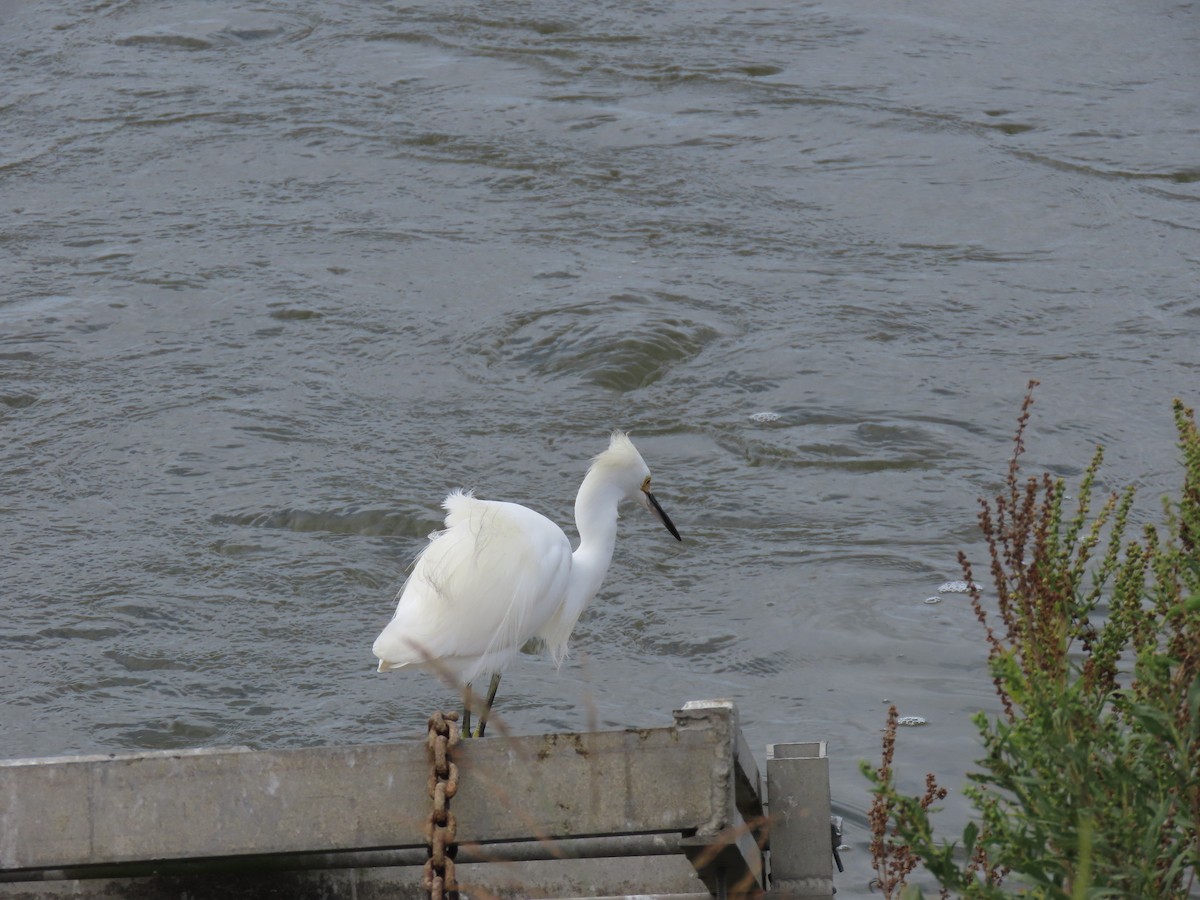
(646, 484)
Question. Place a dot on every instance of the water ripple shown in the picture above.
(623, 344)
(350, 521)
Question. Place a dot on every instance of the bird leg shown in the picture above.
(468, 696)
(487, 707)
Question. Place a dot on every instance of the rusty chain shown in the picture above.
(440, 827)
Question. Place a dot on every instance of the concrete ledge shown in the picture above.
(170, 806)
(672, 811)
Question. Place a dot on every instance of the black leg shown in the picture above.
(487, 707)
(468, 696)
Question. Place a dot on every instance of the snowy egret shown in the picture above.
(500, 574)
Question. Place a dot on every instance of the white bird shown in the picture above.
(501, 574)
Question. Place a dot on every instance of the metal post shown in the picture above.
(798, 811)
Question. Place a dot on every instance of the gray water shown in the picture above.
(276, 278)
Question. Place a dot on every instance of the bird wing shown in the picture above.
(479, 590)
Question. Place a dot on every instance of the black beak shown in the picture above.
(662, 516)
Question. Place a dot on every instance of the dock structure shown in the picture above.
(661, 812)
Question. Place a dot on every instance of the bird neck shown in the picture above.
(596, 520)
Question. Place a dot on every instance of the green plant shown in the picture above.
(1089, 785)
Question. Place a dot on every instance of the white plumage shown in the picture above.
(516, 558)
(501, 574)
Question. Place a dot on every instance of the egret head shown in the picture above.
(622, 463)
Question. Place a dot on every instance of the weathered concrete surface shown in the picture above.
(660, 877)
(798, 779)
(238, 823)
(162, 806)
